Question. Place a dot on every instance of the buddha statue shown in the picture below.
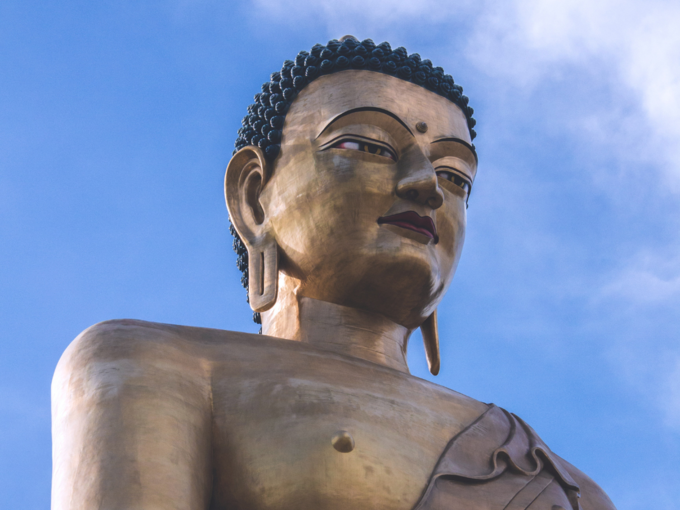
(347, 192)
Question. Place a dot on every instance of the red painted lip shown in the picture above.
(412, 221)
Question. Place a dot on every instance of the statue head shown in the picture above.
(350, 181)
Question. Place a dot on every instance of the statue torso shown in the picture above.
(200, 418)
(277, 405)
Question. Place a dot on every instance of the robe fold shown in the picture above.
(499, 463)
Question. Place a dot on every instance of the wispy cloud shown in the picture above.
(643, 285)
(642, 299)
(633, 46)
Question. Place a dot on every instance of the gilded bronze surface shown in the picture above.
(320, 412)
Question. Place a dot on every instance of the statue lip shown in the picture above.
(412, 221)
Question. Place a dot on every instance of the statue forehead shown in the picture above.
(332, 95)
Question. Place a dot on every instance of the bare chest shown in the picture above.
(328, 435)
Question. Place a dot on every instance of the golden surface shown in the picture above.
(320, 412)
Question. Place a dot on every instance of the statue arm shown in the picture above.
(131, 421)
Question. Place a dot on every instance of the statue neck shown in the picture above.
(358, 333)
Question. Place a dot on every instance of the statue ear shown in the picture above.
(430, 334)
(247, 173)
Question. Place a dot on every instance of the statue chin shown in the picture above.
(406, 301)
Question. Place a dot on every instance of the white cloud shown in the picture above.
(634, 46)
(643, 299)
(642, 285)
(652, 371)
(649, 279)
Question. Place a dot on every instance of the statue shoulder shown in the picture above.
(126, 396)
(117, 353)
(136, 338)
(127, 347)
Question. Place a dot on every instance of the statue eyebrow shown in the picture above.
(366, 109)
(462, 142)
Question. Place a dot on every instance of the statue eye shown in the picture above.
(371, 148)
(459, 181)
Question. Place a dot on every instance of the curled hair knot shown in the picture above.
(341, 62)
(272, 151)
(274, 136)
(317, 49)
(404, 72)
(299, 82)
(374, 63)
(368, 44)
(385, 46)
(326, 66)
(358, 62)
(275, 98)
(389, 67)
(300, 59)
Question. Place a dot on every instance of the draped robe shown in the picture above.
(499, 463)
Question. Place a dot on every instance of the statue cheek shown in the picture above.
(451, 223)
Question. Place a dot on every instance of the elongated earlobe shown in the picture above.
(247, 174)
(431, 340)
(263, 274)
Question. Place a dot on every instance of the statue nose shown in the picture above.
(421, 186)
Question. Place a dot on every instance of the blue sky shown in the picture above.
(117, 120)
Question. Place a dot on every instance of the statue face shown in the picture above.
(367, 209)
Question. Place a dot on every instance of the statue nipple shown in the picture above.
(343, 442)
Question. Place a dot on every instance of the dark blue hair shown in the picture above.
(262, 125)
